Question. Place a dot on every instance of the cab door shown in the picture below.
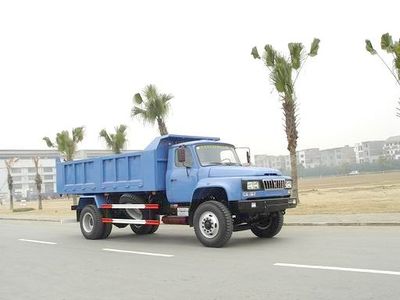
(181, 178)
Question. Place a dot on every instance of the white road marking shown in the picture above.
(37, 242)
(138, 252)
(339, 269)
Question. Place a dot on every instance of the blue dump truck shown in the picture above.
(177, 179)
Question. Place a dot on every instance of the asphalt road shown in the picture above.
(301, 263)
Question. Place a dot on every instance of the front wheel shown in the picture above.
(213, 224)
(91, 224)
(268, 226)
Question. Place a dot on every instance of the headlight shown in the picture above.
(253, 185)
(288, 184)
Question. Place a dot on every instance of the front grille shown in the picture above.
(274, 184)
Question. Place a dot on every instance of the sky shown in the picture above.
(65, 64)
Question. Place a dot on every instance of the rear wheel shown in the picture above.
(138, 214)
(107, 230)
(268, 226)
(91, 224)
(213, 224)
(120, 225)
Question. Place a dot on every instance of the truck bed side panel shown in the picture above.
(129, 172)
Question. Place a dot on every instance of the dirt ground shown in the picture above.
(368, 193)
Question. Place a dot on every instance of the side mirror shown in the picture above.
(181, 155)
(244, 155)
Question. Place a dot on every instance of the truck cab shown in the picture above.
(198, 181)
(202, 170)
(209, 164)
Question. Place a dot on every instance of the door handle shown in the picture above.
(174, 179)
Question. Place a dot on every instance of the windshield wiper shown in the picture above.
(218, 163)
(231, 164)
(214, 163)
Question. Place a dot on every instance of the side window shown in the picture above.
(189, 159)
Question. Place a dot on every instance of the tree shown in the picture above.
(38, 181)
(115, 141)
(393, 49)
(398, 110)
(9, 164)
(152, 107)
(284, 79)
(65, 144)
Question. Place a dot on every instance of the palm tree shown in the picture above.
(38, 181)
(9, 163)
(398, 110)
(65, 144)
(393, 49)
(152, 107)
(115, 141)
(282, 77)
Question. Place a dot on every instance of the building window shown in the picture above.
(48, 177)
(48, 170)
(17, 178)
(17, 186)
(16, 171)
(49, 187)
(31, 177)
(31, 170)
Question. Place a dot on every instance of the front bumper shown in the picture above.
(263, 205)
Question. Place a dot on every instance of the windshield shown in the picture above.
(211, 155)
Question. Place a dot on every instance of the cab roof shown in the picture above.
(201, 142)
(174, 139)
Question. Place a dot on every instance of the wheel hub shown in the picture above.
(264, 223)
(88, 222)
(209, 225)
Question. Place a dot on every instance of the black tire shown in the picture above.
(91, 224)
(107, 230)
(120, 225)
(213, 224)
(269, 226)
(134, 214)
(154, 228)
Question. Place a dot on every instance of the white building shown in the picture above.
(335, 157)
(309, 158)
(391, 148)
(281, 162)
(369, 152)
(23, 171)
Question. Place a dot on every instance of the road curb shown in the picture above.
(62, 221)
(343, 224)
(65, 221)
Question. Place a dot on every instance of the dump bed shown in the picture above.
(128, 172)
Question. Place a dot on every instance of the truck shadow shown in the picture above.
(187, 239)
